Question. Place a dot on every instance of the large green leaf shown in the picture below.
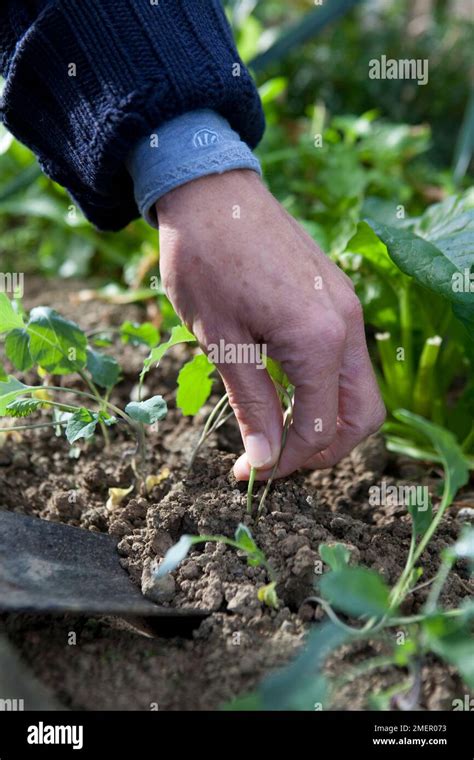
(56, 344)
(17, 349)
(194, 384)
(450, 225)
(9, 318)
(455, 463)
(437, 266)
(365, 243)
(356, 591)
(10, 389)
(104, 369)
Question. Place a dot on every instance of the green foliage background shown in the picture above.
(339, 148)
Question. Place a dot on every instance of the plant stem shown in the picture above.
(235, 545)
(101, 403)
(468, 442)
(253, 472)
(399, 589)
(406, 334)
(424, 390)
(438, 584)
(391, 371)
(34, 426)
(361, 670)
(275, 466)
(412, 619)
(63, 407)
(208, 427)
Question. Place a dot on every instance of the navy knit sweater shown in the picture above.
(85, 79)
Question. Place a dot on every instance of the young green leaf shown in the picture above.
(245, 542)
(149, 411)
(179, 334)
(23, 407)
(356, 591)
(3, 373)
(104, 369)
(194, 384)
(10, 389)
(56, 344)
(9, 318)
(83, 423)
(17, 349)
(455, 463)
(275, 370)
(174, 556)
(336, 556)
(267, 594)
(145, 334)
(244, 539)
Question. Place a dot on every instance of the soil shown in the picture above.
(111, 665)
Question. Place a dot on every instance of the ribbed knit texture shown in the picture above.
(137, 66)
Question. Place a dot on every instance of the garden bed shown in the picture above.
(112, 666)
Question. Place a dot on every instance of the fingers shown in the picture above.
(254, 401)
(313, 368)
(361, 411)
(356, 412)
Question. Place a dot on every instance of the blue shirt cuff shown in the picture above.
(186, 148)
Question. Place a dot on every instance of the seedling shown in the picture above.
(194, 389)
(362, 594)
(51, 345)
(243, 541)
(286, 392)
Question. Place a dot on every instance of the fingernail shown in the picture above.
(258, 450)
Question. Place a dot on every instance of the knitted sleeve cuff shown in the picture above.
(190, 146)
(98, 76)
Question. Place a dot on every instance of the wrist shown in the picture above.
(203, 198)
(193, 145)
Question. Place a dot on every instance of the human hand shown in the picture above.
(238, 268)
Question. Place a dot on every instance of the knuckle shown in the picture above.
(372, 422)
(332, 331)
(247, 408)
(353, 310)
(315, 441)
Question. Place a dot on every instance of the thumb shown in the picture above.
(256, 405)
